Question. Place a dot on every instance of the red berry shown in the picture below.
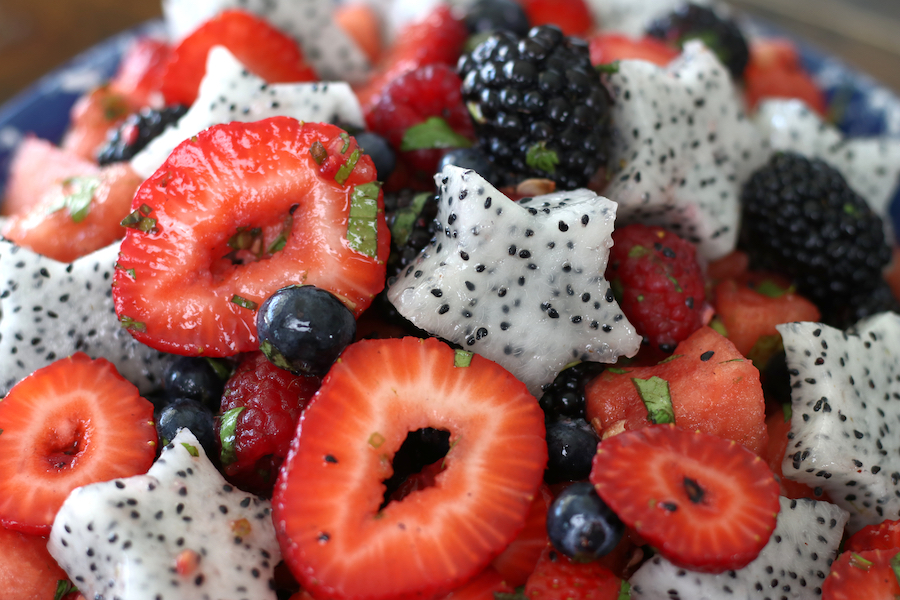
(141, 69)
(706, 503)
(263, 49)
(610, 47)
(883, 536)
(659, 283)
(338, 539)
(556, 577)
(27, 571)
(573, 17)
(74, 422)
(412, 99)
(234, 214)
(260, 408)
(517, 562)
(775, 71)
(867, 574)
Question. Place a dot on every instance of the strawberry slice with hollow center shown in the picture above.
(706, 503)
(71, 423)
(238, 212)
(336, 537)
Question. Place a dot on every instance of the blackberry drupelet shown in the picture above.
(539, 107)
(720, 34)
(802, 219)
(565, 396)
(136, 132)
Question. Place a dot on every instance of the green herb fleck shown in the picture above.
(638, 251)
(625, 591)
(139, 220)
(132, 325)
(851, 210)
(362, 226)
(434, 132)
(346, 137)
(462, 358)
(192, 450)
(318, 152)
(764, 349)
(610, 68)
(771, 289)
(64, 587)
(244, 303)
(654, 393)
(246, 238)
(78, 200)
(859, 562)
(227, 434)
(542, 158)
(131, 273)
(670, 359)
(719, 327)
(343, 173)
(616, 370)
(519, 594)
(405, 218)
(788, 411)
(220, 368)
(674, 282)
(475, 112)
(895, 566)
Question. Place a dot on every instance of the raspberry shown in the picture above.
(658, 283)
(260, 409)
(411, 100)
(137, 131)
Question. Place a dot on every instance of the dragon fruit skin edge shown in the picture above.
(845, 398)
(792, 565)
(520, 283)
(180, 532)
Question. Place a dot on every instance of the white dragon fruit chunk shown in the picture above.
(50, 309)
(632, 17)
(870, 165)
(520, 283)
(791, 566)
(326, 46)
(845, 401)
(180, 532)
(682, 148)
(228, 92)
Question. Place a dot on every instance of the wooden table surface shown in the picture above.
(38, 35)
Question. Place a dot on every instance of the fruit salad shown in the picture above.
(482, 299)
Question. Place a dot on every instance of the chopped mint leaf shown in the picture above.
(764, 349)
(519, 594)
(318, 152)
(192, 450)
(542, 158)
(343, 173)
(895, 566)
(674, 282)
(638, 251)
(227, 434)
(617, 370)
(434, 132)
(670, 359)
(406, 217)
(625, 591)
(788, 411)
(362, 226)
(346, 137)
(608, 68)
(245, 238)
(859, 562)
(78, 200)
(64, 587)
(475, 112)
(244, 303)
(132, 325)
(771, 289)
(220, 368)
(462, 358)
(654, 393)
(276, 357)
(139, 220)
(719, 327)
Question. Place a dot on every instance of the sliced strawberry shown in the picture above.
(883, 536)
(711, 387)
(238, 212)
(362, 23)
(78, 215)
(438, 38)
(140, 71)
(608, 47)
(74, 422)
(37, 167)
(868, 574)
(556, 577)
(263, 49)
(775, 71)
(706, 503)
(730, 266)
(750, 307)
(338, 539)
(778, 429)
(572, 16)
(517, 562)
(27, 571)
(483, 587)
(91, 117)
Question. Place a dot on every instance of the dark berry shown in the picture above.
(380, 151)
(190, 414)
(471, 158)
(802, 220)
(565, 396)
(303, 329)
(136, 132)
(862, 305)
(539, 107)
(200, 379)
(571, 446)
(581, 526)
(496, 15)
(718, 32)
(411, 219)
(260, 407)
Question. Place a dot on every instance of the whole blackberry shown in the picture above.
(539, 107)
(802, 219)
(136, 131)
(720, 34)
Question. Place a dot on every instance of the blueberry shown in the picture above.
(303, 329)
(565, 396)
(571, 445)
(491, 15)
(187, 412)
(380, 151)
(470, 158)
(198, 378)
(581, 525)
